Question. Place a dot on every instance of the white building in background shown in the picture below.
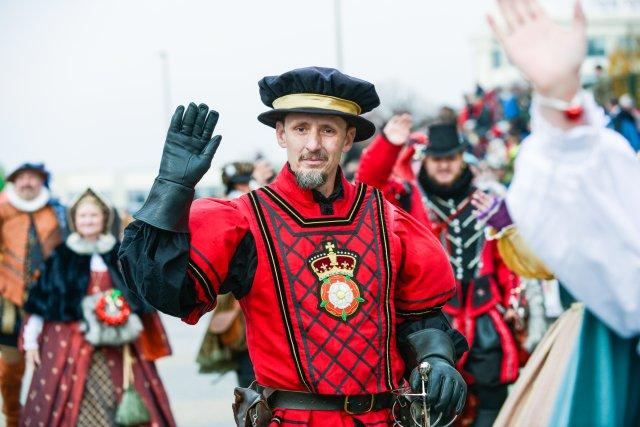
(611, 24)
(126, 190)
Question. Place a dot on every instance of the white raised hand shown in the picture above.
(548, 54)
(398, 129)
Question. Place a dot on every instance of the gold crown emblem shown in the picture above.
(333, 261)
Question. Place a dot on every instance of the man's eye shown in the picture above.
(329, 131)
(300, 129)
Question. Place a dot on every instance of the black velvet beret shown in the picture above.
(318, 90)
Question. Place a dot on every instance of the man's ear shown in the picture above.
(280, 134)
(350, 137)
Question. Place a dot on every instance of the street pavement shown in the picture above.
(195, 399)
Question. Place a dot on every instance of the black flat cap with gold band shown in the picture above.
(317, 90)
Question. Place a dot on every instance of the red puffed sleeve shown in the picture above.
(216, 228)
(425, 278)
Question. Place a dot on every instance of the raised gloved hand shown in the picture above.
(187, 155)
(493, 209)
(189, 148)
(446, 390)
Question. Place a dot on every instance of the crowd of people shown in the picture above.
(447, 263)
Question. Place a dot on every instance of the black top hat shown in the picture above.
(32, 167)
(317, 90)
(444, 141)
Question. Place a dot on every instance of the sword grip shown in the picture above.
(424, 369)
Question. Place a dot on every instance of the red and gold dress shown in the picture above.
(77, 384)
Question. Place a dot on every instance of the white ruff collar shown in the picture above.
(79, 245)
(27, 205)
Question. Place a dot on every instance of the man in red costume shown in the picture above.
(340, 305)
(437, 192)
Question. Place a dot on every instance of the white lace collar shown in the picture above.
(27, 205)
(104, 244)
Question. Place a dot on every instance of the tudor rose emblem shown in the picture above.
(335, 268)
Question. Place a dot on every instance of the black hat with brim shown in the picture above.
(364, 128)
(240, 179)
(444, 141)
(445, 153)
(318, 90)
(237, 173)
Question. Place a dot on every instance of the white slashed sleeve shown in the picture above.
(32, 331)
(575, 199)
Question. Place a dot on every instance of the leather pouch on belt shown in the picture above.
(250, 408)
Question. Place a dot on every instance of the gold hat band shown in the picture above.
(314, 100)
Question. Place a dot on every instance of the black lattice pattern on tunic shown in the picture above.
(335, 349)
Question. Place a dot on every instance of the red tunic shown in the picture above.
(58, 384)
(328, 291)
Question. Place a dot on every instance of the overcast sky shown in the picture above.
(81, 81)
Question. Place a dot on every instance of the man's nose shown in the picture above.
(313, 141)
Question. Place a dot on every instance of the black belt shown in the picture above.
(354, 404)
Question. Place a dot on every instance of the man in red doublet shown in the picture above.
(340, 304)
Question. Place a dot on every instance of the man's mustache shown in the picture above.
(27, 187)
(314, 156)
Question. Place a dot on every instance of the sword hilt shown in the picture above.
(424, 369)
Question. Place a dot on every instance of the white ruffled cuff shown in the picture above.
(593, 116)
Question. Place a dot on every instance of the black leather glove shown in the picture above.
(446, 390)
(188, 151)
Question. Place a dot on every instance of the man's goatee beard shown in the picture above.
(311, 179)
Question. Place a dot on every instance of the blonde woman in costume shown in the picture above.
(81, 375)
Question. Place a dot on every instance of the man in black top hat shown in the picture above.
(340, 310)
(440, 188)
